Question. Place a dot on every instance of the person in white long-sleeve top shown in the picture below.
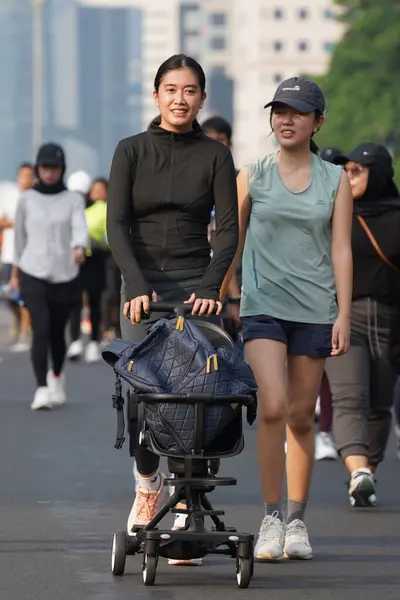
(50, 242)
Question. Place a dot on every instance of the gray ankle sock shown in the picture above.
(296, 510)
(275, 507)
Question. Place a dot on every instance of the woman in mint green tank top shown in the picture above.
(295, 215)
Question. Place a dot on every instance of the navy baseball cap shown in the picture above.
(368, 154)
(50, 155)
(299, 93)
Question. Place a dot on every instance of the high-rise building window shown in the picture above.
(302, 46)
(278, 14)
(303, 13)
(277, 78)
(329, 46)
(328, 13)
(278, 46)
(218, 43)
(218, 19)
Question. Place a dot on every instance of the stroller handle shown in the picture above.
(180, 310)
(199, 398)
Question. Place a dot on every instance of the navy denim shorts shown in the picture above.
(301, 339)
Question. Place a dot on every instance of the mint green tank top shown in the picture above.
(287, 261)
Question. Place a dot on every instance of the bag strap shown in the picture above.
(375, 244)
(118, 404)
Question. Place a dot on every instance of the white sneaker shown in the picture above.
(362, 492)
(20, 347)
(56, 388)
(271, 539)
(180, 523)
(92, 352)
(147, 504)
(75, 350)
(297, 544)
(41, 399)
(324, 447)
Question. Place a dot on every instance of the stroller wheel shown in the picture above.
(244, 571)
(150, 563)
(118, 554)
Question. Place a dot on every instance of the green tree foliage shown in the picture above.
(362, 86)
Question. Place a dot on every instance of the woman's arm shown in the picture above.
(79, 230)
(226, 225)
(342, 260)
(230, 284)
(19, 234)
(119, 219)
(342, 257)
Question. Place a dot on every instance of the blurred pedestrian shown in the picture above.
(363, 380)
(50, 243)
(221, 130)
(79, 182)
(9, 199)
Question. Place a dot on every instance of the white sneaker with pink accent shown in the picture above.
(148, 501)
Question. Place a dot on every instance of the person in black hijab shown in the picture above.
(363, 380)
(50, 242)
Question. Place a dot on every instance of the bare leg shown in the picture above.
(267, 359)
(304, 380)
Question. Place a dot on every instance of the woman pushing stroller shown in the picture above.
(163, 186)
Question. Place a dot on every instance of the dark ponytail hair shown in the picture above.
(313, 147)
(180, 61)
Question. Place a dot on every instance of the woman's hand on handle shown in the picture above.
(204, 306)
(134, 309)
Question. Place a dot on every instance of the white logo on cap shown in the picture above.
(365, 153)
(296, 88)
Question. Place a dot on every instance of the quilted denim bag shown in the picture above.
(176, 358)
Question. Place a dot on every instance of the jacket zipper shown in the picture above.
(172, 138)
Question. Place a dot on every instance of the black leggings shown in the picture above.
(92, 281)
(49, 305)
(94, 298)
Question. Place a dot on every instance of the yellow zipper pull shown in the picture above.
(180, 323)
(215, 360)
(130, 365)
(208, 367)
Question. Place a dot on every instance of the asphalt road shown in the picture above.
(64, 490)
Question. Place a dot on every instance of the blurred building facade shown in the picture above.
(271, 42)
(100, 58)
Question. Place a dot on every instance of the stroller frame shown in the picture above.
(194, 477)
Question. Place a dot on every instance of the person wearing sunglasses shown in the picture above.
(363, 380)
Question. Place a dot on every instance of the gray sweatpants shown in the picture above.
(362, 383)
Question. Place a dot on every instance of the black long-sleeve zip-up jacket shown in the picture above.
(162, 189)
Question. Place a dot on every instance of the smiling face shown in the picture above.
(293, 129)
(179, 99)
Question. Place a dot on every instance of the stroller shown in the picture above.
(189, 389)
